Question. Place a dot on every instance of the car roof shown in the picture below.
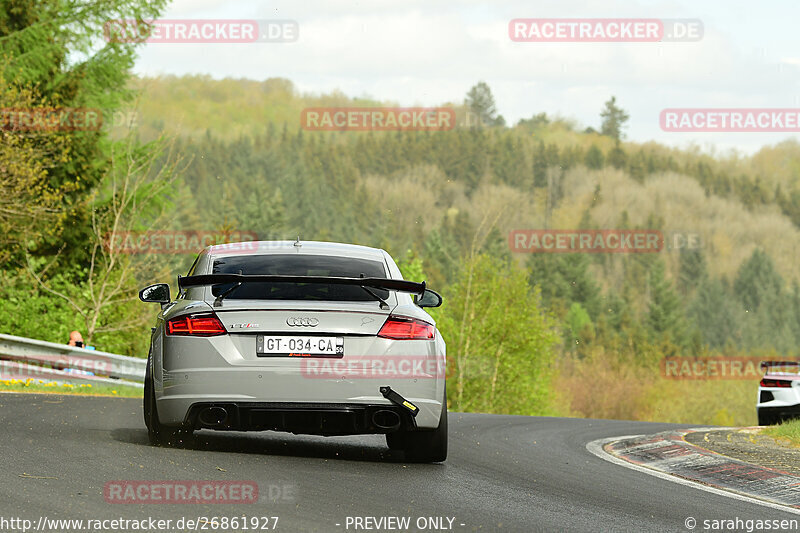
(305, 247)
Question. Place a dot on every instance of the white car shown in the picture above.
(305, 337)
(778, 392)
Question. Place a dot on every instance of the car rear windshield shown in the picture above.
(298, 265)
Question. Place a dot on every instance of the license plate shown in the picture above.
(299, 346)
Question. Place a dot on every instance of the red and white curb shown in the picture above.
(669, 456)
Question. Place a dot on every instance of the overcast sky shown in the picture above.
(429, 52)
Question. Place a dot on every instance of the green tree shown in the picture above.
(535, 122)
(757, 281)
(692, 270)
(665, 316)
(52, 57)
(716, 314)
(594, 158)
(412, 267)
(795, 311)
(617, 157)
(50, 51)
(540, 164)
(579, 326)
(614, 118)
(264, 213)
(616, 315)
(637, 166)
(29, 204)
(565, 279)
(134, 193)
(480, 101)
(768, 318)
(495, 368)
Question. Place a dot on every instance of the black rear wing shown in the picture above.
(767, 365)
(376, 283)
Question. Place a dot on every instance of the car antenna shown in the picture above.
(297, 242)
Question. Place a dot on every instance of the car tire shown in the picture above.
(396, 440)
(158, 434)
(427, 446)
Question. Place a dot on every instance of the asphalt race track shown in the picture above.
(504, 473)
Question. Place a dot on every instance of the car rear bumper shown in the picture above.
(779, 402)
(782, 412)
(256, 396)
(303, 418)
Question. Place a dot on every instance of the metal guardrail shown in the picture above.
(23, 358)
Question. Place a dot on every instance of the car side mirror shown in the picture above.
(429, 299)
(158, 293)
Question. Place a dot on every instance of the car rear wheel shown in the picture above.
(396, 440)
(427, 446)
(158, 434)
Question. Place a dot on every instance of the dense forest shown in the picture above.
(443, 198)
(569, 334)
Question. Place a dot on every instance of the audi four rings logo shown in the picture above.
(292, 321)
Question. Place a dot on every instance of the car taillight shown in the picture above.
(400, 328)
(769, 382)
(196, 325)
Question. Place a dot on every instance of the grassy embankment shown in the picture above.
(789, 430)
(51, 387)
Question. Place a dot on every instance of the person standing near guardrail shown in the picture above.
(75, 339)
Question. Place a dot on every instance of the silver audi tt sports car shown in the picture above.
(306, 337)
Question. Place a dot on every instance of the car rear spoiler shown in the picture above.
(766, 365)
(377, 283)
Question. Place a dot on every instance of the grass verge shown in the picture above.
(789, 430)
(88, 389)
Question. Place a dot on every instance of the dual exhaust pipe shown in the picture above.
(383, 419)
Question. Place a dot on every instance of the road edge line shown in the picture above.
(595, 447)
